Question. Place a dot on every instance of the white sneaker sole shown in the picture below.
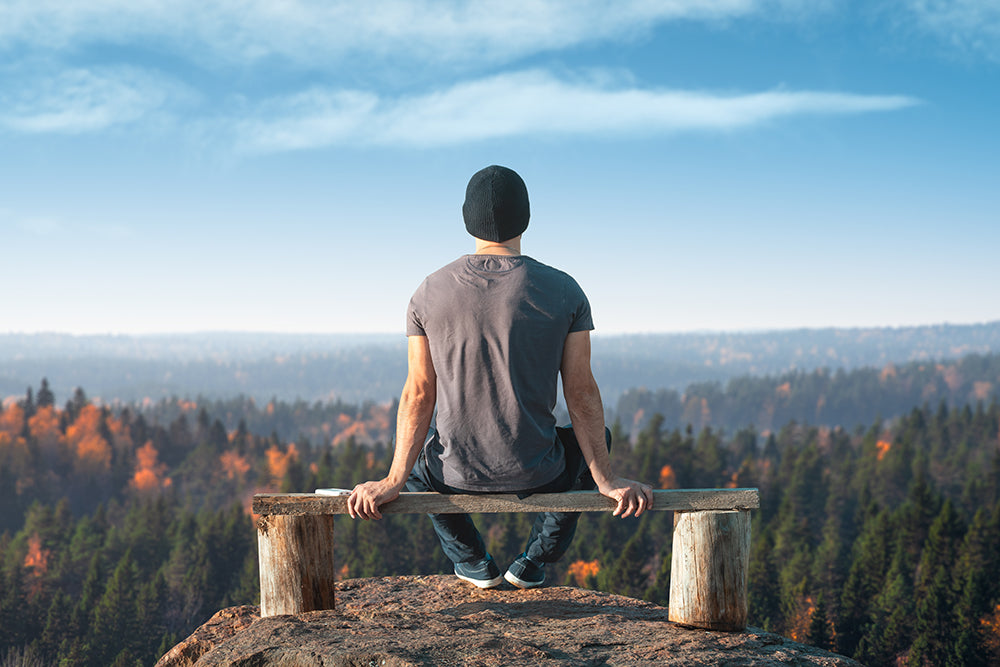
(481, 583)
(521, 583)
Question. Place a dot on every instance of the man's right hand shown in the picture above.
(633, 497)
(365, 499)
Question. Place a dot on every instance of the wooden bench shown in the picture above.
(708, 576)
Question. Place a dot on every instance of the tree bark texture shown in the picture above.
(296, 563)
(708, 571)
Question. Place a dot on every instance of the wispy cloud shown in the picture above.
(244, 31)
(972, 26)
(526, 103)
(80, 100)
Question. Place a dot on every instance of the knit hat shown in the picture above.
(496, 204)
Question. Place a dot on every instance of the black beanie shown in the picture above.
(496, 204)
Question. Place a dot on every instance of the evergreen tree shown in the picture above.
(764, 604)
(659, 592)
(58, 628)
(890, 631)
(819, 633)
(45, 396)
(115, 614)
(977, 585)
(864, 579)
(626, 575)
(935, 595)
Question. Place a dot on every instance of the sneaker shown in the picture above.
(484, 573)
(525, 573)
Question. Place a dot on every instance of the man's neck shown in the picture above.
(511, 247)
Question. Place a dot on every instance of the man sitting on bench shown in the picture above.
(489, 334)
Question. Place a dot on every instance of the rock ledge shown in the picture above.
(439, 620)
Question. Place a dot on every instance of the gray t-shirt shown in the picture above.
(496, 326)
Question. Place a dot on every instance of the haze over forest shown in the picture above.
(358, 368)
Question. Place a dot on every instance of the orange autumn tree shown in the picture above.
(44, 428)
(581, 571)
(234, 465)
(668, 478)
(36, 562)
(990, 627)
(13, 446)
(149, 472)
(93, 452)
(278, 462)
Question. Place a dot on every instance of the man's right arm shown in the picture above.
(583, 400)
(413, 418)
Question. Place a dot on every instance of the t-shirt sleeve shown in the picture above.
(582, 319)
(414, 320)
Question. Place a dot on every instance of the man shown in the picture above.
(489, 334)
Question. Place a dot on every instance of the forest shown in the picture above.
(124, 528)
(820, 396)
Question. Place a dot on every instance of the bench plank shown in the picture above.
(300, 504)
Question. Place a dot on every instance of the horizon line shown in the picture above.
(401, 334)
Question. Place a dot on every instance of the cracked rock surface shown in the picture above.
(439, 620)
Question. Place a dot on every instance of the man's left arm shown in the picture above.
(583, 400)
(413, 419)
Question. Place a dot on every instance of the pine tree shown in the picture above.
(58, 628)
(819, 633)
(764, 604)
(150, 605)
(627, 575)
(934, 593)
(12, 620)
(892, 612)
(977, 586)
(45, 396)
(659, 592)
(864, 579)
(114, 628)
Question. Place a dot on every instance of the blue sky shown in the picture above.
(300, 166)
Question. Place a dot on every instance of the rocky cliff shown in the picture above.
(438, 620)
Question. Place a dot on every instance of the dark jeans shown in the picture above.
(551, 533)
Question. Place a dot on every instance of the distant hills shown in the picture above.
(358, 368)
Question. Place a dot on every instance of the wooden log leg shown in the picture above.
(708, 569)
(296, 563)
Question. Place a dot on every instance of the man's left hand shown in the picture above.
(365, 499)
(633, 497)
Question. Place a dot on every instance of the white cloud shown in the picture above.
(314, 118)
(526, 103)
(79, 100)
(969, 25)
(316, 33)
